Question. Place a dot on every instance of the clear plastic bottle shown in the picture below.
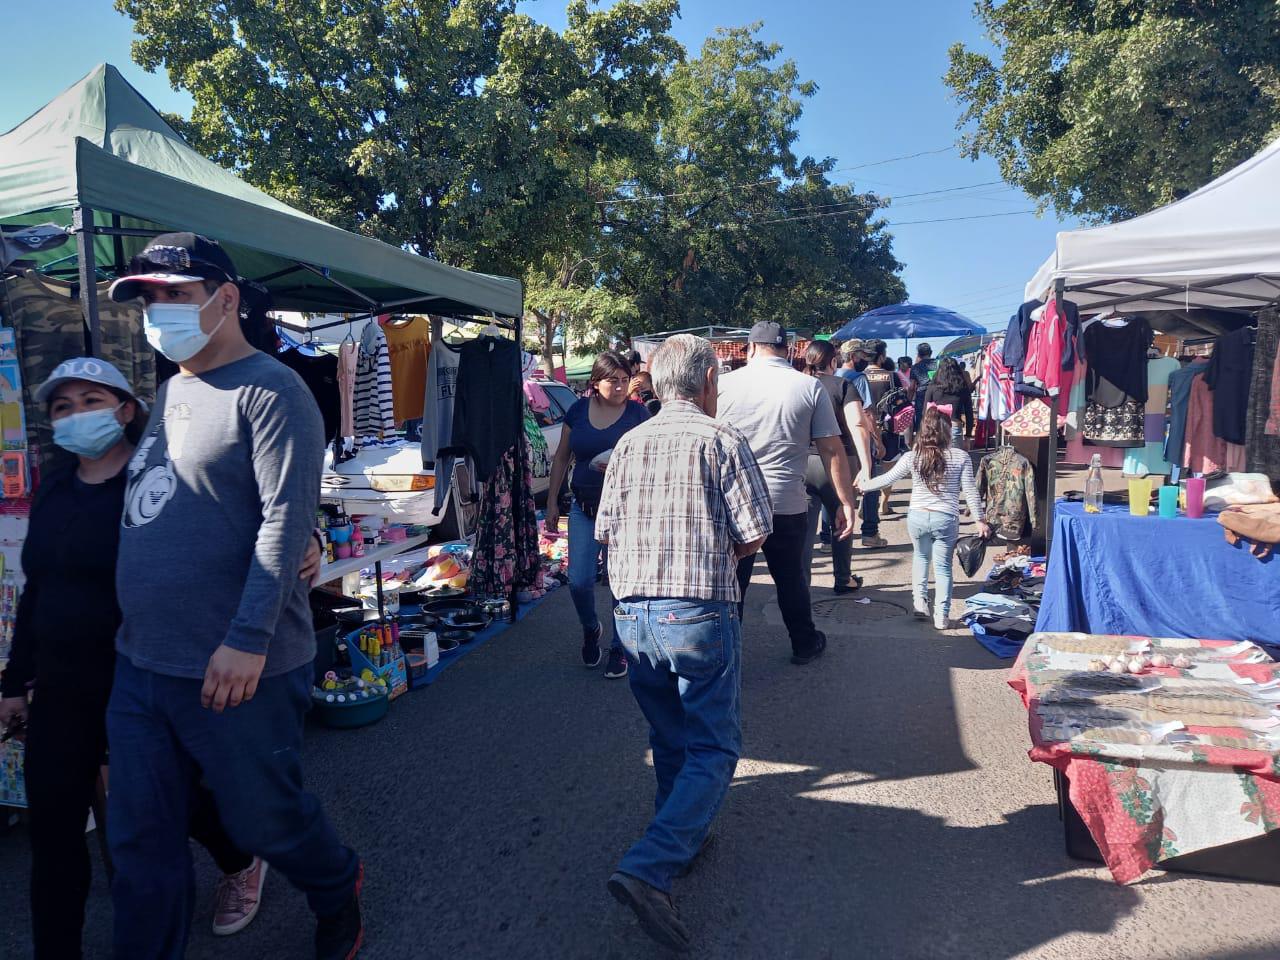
(1094, 486)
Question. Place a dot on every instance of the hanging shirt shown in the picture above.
(347, 360)
(1150, 458)
(374, 407)
(1229, 375)
(1007, 481)
(320, 374)
(488, 412)
(1180, 383)
(408, 347)
(1205, 452)
(442, 389)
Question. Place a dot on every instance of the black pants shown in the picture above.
(784, 553)
(822, 496)
(66, 746)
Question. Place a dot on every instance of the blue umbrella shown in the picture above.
(908, 321)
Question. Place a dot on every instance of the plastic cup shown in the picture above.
(1140, 496)
(1168, 502)
(1195, 497)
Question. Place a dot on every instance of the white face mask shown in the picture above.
(174, 328)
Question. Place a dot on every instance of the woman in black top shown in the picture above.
(63, 654)
(951, 388)
(820, 363)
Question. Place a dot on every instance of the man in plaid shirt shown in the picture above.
(684, 500)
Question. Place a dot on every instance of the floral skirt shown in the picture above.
(506, 555)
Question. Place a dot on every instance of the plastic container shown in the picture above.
(1140, 496)
(352, 714)
(1195, 497)
(1168, 502)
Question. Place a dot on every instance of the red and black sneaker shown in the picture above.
(340, 935)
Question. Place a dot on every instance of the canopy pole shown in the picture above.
(82, 223)
(1051, 486)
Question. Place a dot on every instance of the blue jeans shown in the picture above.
(934, 536)
(162, 741)
(585, 552)
(685, 658)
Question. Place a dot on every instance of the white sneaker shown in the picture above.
(941, 622)
(922, 609)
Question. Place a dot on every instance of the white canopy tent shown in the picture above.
(1218, 248)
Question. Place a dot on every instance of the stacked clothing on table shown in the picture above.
(1004, 614)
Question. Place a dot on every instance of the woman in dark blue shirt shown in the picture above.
(592, 427)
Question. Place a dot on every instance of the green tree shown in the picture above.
(729, 225)
(1110, 108)
(457, 127)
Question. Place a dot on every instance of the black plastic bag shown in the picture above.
(971, 551)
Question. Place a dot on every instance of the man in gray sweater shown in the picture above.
(213, 676)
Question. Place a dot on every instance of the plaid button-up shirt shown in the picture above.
(680, 492)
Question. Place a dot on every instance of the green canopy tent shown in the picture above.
(101, 162)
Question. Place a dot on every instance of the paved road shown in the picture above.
(885, 807)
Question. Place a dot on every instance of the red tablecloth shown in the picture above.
(1163, 764)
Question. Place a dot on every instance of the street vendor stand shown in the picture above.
(1150, 576)
(1168, 762)
(1175, 767)
(90, 178)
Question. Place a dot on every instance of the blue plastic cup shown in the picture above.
(1168, 501)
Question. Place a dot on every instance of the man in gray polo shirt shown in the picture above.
(781, 411)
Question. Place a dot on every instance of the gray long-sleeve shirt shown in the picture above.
(221, 501)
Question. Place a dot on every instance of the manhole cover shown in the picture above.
(844, 610)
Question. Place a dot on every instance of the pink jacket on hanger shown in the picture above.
(1046, 341)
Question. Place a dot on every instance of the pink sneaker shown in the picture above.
(238, 898)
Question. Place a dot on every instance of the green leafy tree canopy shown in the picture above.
(1110, 108)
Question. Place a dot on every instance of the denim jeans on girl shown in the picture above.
(934, 536)
(162, 740)
(585, 552)
(685, 658)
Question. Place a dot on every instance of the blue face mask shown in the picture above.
(89, 434)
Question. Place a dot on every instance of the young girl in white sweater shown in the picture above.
(939, 473)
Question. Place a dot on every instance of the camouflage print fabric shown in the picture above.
(49, 326)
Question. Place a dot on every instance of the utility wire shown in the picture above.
(760, 183)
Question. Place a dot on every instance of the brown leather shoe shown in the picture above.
(654, 909)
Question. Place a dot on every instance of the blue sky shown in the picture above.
(878, 65)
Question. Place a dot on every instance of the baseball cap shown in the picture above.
(766, 331)
(850, 347)
(171, 259)
(86, 368)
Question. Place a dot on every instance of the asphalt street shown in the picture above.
(884, 807)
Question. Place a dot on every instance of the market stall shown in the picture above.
(90, 178)
(1165, 750)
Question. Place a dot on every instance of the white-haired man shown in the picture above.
(684, 501)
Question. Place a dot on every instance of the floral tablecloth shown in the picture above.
(1165, 762)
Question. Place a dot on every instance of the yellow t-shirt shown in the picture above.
(409, 346)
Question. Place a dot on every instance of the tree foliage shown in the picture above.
(729, 225)
(471, 133)
(1110, 108)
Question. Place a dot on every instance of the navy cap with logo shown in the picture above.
(171, 259)
(766, 331)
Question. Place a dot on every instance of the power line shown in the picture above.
(760, 183)
(902, 223)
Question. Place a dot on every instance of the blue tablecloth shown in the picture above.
(1147, 576)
